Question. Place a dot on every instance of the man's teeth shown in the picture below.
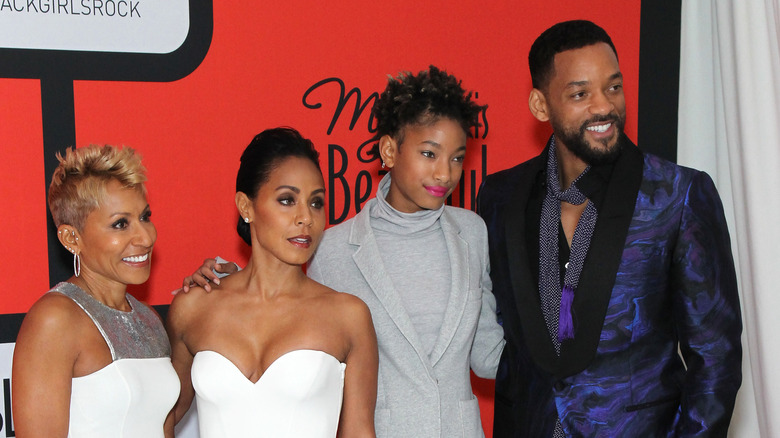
(599, 128)
(137, 259)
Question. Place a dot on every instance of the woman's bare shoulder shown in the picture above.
(55, 308)
(338, 298)
(349, 307)
(53, 316)
(353, 317)
(185, 306)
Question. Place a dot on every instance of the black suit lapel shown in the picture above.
(603, 260)
(526, 291)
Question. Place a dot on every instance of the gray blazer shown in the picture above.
(420, 396)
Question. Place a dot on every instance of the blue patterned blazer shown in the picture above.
(659, 272)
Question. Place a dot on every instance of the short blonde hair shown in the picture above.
(78, 185)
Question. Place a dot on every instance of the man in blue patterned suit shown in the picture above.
(612, 269)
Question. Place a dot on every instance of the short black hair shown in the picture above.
(264, 153)
(567, 35)
(412, 99)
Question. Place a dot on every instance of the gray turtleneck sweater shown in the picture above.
(416, 259)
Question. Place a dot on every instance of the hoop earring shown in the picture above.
(76, 264)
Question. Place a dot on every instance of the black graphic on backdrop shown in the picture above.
(57, 69)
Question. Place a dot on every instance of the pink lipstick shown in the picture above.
(438, 191)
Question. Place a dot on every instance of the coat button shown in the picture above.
(559, 386)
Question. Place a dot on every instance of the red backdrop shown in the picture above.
(260, 64)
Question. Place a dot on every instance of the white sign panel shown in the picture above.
(119, 26)
(6, 359)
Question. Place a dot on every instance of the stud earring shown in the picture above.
(246, 219)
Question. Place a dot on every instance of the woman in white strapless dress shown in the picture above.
(91, 360)
(273, 353)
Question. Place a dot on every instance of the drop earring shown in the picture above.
(76, 264)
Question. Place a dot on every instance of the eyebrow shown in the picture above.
(437, 145)
(297, 190)
(127, 213)
(614, 76)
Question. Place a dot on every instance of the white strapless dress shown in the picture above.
(299, 396)
(126, 398)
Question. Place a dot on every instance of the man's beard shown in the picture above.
(576, 143)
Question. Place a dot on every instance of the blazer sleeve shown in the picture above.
(707, 312)
(489, 339)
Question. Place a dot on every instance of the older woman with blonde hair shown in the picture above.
(90, 359)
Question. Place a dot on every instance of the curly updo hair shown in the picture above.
(264, 153)
(563, 36)
(421, 99)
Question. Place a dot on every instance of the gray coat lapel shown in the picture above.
(458, 250)
(369, 261)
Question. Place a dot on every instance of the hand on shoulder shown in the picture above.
(209, 272)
